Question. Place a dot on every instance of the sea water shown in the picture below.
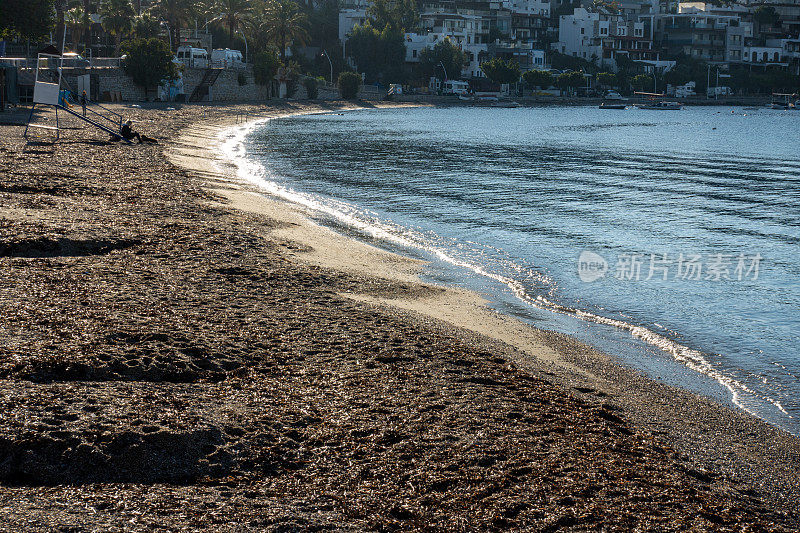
(669, 239)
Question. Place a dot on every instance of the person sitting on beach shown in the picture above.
(126, 131)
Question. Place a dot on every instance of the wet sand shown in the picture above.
(179, 352)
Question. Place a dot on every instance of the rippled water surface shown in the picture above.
(505, 201)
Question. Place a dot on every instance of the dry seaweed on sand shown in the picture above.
(164, 363)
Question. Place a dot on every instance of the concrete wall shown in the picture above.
(227, 88)
(115, 80)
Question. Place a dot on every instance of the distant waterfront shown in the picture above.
(505, 200)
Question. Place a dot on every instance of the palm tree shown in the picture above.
(286, 23)
(77, 22)
(117, 19)
(61, 7)
(146, 26)
(175, 13)
(231, 12)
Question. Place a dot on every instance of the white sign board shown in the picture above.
(45, 93)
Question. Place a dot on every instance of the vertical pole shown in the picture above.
(30, 117)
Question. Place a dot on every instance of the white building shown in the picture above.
(352, 13)
(416, 43)
(579, 34)
(527, 7)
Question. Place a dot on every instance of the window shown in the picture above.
(414, 53)
(582, 31)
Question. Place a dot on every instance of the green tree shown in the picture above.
(378, 54)
(148, 62)
(501, 71)
(606, 79)
(146, 26)
(399, 15)
(284, 22)
(569, 81)
(117, 19)
(231, 12)
(60, 7)
(444, 54)
(538, 78)
(77, 22)
(766, 16)
(348, 84)
(26, 19)
(642, 82)
(324, 24)
(265, 66)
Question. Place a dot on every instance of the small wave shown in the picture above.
(369, 224)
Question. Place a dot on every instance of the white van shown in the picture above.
(193, 57)
(226, 58)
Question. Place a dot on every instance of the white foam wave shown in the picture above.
(232, 146)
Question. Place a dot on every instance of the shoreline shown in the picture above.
(179, 352)
(576, 363)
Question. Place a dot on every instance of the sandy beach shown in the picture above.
(180, 352)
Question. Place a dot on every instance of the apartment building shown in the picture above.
(601, 36)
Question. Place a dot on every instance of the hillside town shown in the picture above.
(272, 49)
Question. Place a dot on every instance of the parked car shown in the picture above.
(613, 95)
(226, 57)
(192, 57)
(73, 60)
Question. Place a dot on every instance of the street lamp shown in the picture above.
(325, 53)
(445, 70)
(169, 33)
(245, 44)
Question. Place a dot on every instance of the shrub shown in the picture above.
(292, 73)
(311, 88)
(265, 66)
(348, 84)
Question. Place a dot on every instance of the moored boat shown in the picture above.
(662, 106)
(608, 105)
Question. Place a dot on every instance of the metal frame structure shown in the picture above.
(47, 93)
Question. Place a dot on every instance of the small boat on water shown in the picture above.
(608, 105)
(662, 106)
(506, 104)
(783, 101)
